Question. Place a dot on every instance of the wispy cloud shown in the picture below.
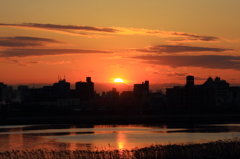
(25, 41)
(155, 71)
(66, 29)
(179, 49)
(60, 27)
(202, 61)
(19, 62)
(182, 36)
(195, 38)
(56, 62)
(45, 52)
(93, 31)
(22, 62)
(152, 70)
(171, 74)
(185, 36)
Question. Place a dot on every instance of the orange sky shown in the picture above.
(159, 41)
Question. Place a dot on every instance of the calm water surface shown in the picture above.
(92, 137)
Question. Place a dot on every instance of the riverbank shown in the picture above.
(222, 149)
(119, 119)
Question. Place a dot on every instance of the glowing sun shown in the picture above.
(119, 80)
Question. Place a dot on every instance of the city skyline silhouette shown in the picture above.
(214, 93)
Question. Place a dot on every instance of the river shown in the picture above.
(93, 137)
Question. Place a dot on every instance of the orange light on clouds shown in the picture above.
(118, 45)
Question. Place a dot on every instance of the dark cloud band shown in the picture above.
(61, 27)
(85, 31)
(179, 49)
(203, 61)
(25, 41)
(46, 52)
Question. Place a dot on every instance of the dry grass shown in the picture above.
(225, 149)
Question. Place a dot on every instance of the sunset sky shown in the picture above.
(135, 40)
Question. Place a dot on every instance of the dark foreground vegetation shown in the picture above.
(221, 149)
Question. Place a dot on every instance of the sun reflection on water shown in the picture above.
(121, 140)
(73, 145)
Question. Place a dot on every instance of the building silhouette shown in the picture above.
(48, 96)
(5, 93)
(126, 96)
(85, 90)
(61, 89)
(112, 94)
(141, 90)
(213, 93)
(189, 81)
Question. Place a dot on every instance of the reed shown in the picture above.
(221, 149)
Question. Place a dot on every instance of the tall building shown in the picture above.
(85, 90)
(189, 81)
(141, 90)
(62, 89)
(5, 92)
